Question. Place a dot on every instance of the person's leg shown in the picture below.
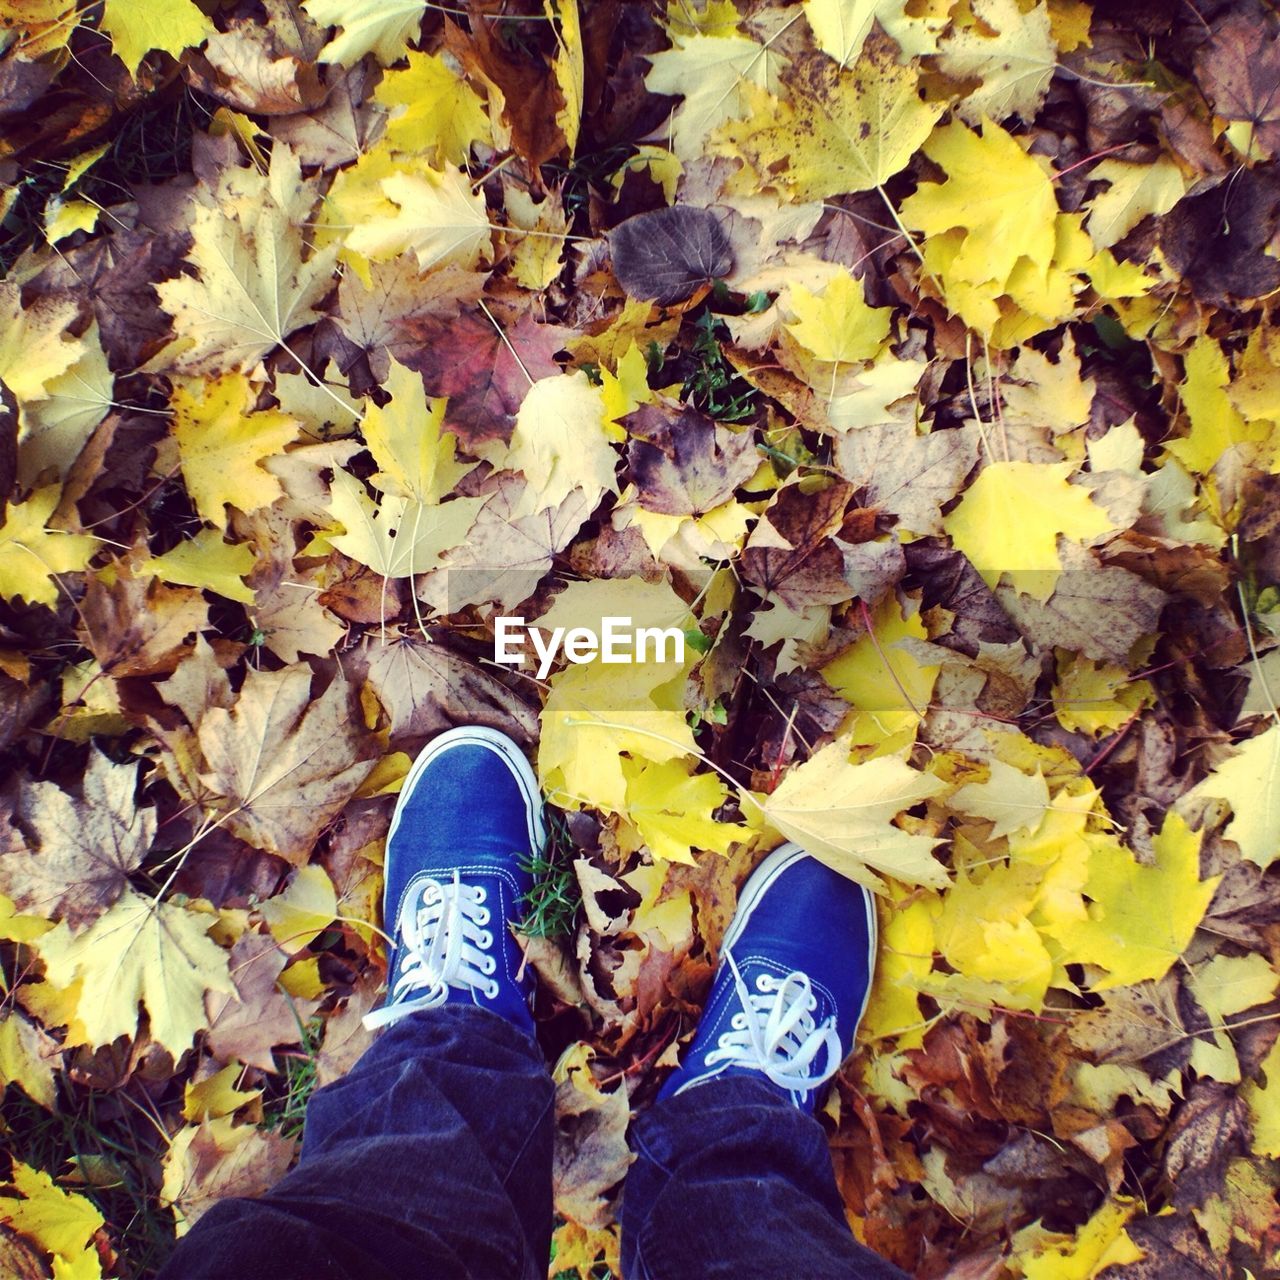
(432, 1157)
(733, 1178)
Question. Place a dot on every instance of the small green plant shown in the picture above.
(285, 1108)
(551, 906)
(713, 386)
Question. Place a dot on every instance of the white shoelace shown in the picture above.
(775, 1032)
(445, 945)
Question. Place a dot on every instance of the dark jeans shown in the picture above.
(432, 1160)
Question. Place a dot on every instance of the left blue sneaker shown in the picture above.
(793, 981)
(468, 816)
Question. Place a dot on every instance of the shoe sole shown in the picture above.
(501, 746)
(759, 882)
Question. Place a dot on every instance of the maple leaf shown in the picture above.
(560, 443)
(843, 814)
(171, 25)
(1012, 515)
(682, 462)
(433, 214)
(218, 1158)
(672, 809)
(1140, 918)
(711, 73)
(485, 367)
(1136, 191)
(1014, 63)
(906, 474)
(841, 130)
(139, 952)
(434, 111)
(205, 561)
(253, 286)
(397, 537)
(84, 850)
(417, 459)
(837, 326)
(279, 764)
(221, 444)
(381, 27)
(27, 1058)
(1247, 781)
(32, 554)
(136, 626)
(795, 552)
(63, 1223)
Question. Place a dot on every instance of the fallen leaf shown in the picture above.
(666, 255)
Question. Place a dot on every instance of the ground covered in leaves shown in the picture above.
(914, 359)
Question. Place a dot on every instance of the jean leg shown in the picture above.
(430, 1159)
(732, 1182)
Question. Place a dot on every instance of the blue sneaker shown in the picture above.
(793, 981)
(469, 814)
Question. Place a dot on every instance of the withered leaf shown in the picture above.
(666, 255)
(684, 463)
(907, 474)
(279, 765)
(1207, 1130)
(794, 552)
(1239, 71)
(84, 847)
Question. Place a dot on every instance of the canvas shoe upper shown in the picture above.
(792, 984)
(467, 821)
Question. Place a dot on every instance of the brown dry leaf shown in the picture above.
(795, 554)
(906, 474)
(1207, 1130)
(247, 1026)
(280, 764)
(591, 1154)
(682, 462)
(84, 847)
(427, 688)
(216, 1159)
(138, 626)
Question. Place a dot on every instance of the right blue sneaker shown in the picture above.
(792, 984)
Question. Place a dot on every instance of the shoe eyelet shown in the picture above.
(738, 1021)
(485, 939)
(490, 965)
(481, 895)
(482, 916)
(764, 983)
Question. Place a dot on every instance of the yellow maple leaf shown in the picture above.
(1011, 517)
(1264, 1105)
(1249, 782)
(561, 444)
(569, 65)
(382, 27)
(1140, 918)
(396, 537)
(27, 1059)
(1136, 192)
(843, 814)
(140, 951)
(1102, 1242)
(435, 214)
(889, 688)
(595, 715)
(837, 325)
(1009, 799)
(1010, 50)
(32, 554)
(35, 347)
(839, 130)
(714, 75)
(435, 113)
(995, 194)
(1097, 697)
(417, 459)
(254, 288)
(303, 911)
(216, 1095)
(135, 29)
(904, 960)
(60, 1222)
(208, 562)
(672, 809)
(221, 444)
